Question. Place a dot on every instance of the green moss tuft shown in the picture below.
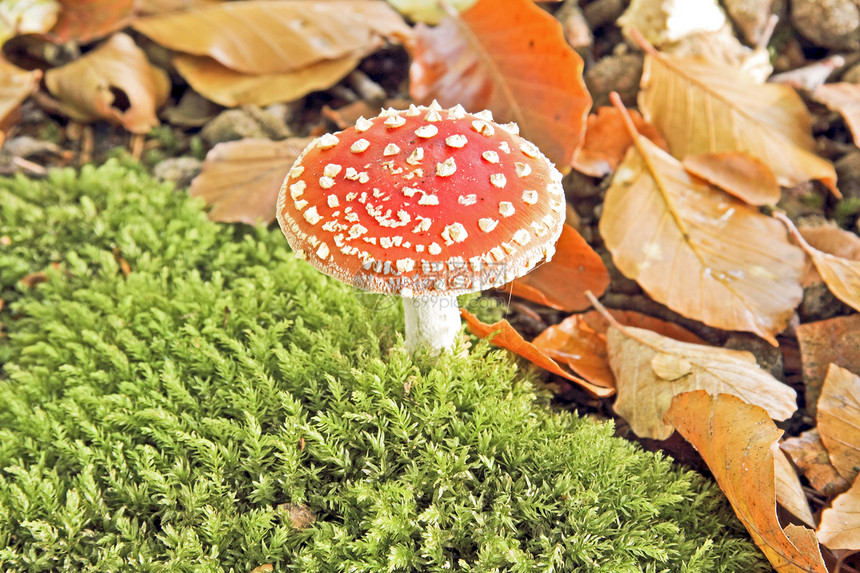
(225, 406)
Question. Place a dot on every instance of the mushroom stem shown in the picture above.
(432, 323)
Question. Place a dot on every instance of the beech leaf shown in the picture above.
(503, 334)
(600, 323)
(575, 344)
(839, 420)
(650, 369)
(240, 180)
(607, 140)
(703, 107)
(15, 86)
(696, 249)
(83, 21)
(85, 87)
(789, 491)
(562, 282)
(267, 37)
(840, 523)
(808, 454)
(843, 98)
(513, 61)
(841, 275)
(835, 340)
(737, 173)
(738, 441)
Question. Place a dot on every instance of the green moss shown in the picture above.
(184, 417)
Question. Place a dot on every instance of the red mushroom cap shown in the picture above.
(425, 201)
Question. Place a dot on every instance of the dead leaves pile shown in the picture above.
(690, 185)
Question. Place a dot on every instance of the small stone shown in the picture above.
(833, 24)
(179, 170)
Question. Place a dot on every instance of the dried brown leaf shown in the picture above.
(737, 173)
(85, 88)
(789, 491)
(27, 17)
(839, 420)
(607, 140)
(15, 86)
(514, 62)
(808, 454)
(83, 21)
(738, 441)
(840, 523)
(599, 322)
(843, 98)
(575, 344)
(240, 180)
(835, 340)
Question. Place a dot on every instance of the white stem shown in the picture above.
(432, 323)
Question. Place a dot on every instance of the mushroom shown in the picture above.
(426, 203)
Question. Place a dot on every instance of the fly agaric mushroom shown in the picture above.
(426, 203)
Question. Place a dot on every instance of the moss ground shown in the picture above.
(224, 406)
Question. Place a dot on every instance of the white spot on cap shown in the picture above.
(297, 188)
(413, 110)
(555, 188)
(419, 248)
(416, 156)
(457, 112)
(454, 233)
(506, 208)
(498, 180)
(511, 128)
(327, 141)
(326, 182)
(312, 216)
(362, 124)
(331, 170)
(363, 177)
(426, 131)
(486, 115)
(490, 156)
(296, 171)
(423, 225)
(300, 204)
(556, 205)
(411, 191)
(395, 121)
(457, 140)
(523, 169)
(390, 149)
(428, 200)
(522, 237)
(470, 199)
(351, 173)
(530, 196)
(322, 251)
(486, 224)
(446, 169)
(433, 115)
(332, 201)
(497, 253)
(529, 149)
(404, 265)
(359, 146)
(483, 128)
(505, 147)
(434, 106)
(434, 249)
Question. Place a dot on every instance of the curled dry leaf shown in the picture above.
(738, 441)
(845, 99)
(573, 343)
(737, 173)
(240, 180)
(607, 140)
(562, 282)
(835, 340)
(839, 420)
(808, 454)
(789, 491)
(503, 334)
(231, 88)
(15, 85)
(702, 107)
(514, 62)
(85, 88)
(651, 369)
(841, 275)
(268, 37)
(840, 523)
(696, 249)
(83, 21)
(600, 323)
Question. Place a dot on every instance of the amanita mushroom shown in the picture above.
(426, 203)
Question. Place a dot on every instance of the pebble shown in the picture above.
(833, 24)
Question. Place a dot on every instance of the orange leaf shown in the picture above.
(845, 99)
(240, 179)
(839, 420)
(574, 343)
(596, 320)
(840, 523)
(738, 441)
(737, 173)
(269, 37)
(83, 21)
(503, 334)
(560, 283)
(15, 86)
(789, 490)
(808, 454)
(703, 107)
(696, 249)
(512, 61)
(841, 275)
(85, 87)
(606, 141)
(231, 88)
(837, 341)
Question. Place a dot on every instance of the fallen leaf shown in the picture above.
(503, 334)
(833, 240)
(701, 107)
(512, 61)
(841, 275)
(83, 21)
(789, 491)
(15, 86)
(835, 340)
(651, 369)
(843, 98)
(27, 17)
(606, 141)
(87, 88)
(264, 568)
(240, 180)
(737, 173)
(738, 441)
(269, 37)
(575, 344)
(696, 249)
(156, 7)
(808, 454)
(427, 11)
(600, 323)
(562, 282)
(231, 88)
(840, 523)
(839, 420)
(32, 279)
